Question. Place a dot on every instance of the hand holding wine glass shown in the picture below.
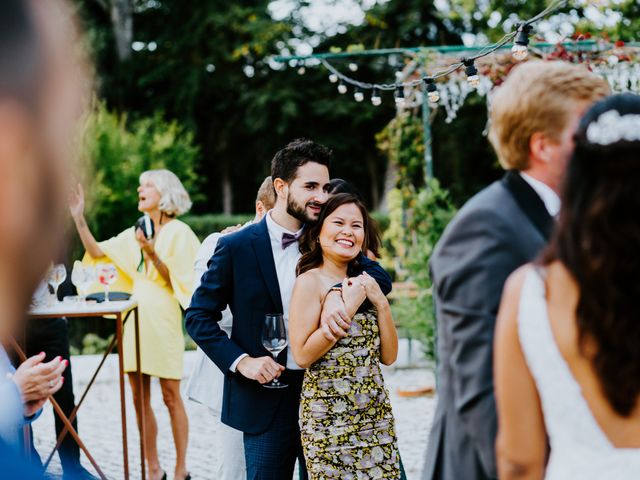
(274, 339)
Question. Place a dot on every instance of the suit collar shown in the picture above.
(262, 247)
(529, 201)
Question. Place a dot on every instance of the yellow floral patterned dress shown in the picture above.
(346, 422)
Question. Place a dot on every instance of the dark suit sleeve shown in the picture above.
(378, 273)
(469, 270)
(207, 304)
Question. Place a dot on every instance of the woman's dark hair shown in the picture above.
(286, 161)
(309, 246)
(598, 240)
(339, 185)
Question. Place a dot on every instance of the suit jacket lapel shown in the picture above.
(530, 203)
(262, 247)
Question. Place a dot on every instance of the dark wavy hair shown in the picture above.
(339, 185)
(287, 160)
(598, 240)
(311, 249)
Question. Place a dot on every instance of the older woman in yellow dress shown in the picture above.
(161, 273)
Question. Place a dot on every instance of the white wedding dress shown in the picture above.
(579, 448)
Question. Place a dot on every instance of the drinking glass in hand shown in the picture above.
(274, 339)
(57, 275)
(83, 277)
(107, 275)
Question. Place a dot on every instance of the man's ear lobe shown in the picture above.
(538, 144)
(280, 186)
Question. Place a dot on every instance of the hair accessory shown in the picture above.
(611, 127)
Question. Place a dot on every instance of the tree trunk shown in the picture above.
(227, 193)
(390, 181)
(122, 22)
(373, 176)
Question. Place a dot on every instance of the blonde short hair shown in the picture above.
(174, 199)
(537, 96)
(266, 194)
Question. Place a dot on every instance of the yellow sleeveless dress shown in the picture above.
(346, 423)
(161, 334)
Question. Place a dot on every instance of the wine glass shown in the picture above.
(274, 339)
(57, 275)
(107, 275)
(82, 277)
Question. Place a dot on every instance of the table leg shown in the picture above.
(141, 403)
(123, 412)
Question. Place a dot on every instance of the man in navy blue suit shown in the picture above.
(253, 271)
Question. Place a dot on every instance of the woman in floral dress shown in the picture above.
(346, 422)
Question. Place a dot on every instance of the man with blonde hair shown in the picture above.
(534, 115)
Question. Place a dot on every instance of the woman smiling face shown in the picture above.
(343, 233)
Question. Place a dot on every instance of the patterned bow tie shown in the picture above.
(289, 239)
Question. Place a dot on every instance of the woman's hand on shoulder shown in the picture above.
(353, 293)
(373, 291)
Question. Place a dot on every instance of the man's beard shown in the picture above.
(299, 212)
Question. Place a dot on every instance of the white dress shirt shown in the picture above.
(286, 261)
(550, 198)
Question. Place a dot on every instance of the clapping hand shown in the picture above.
(37, 381)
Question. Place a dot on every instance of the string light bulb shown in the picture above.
(302, 70)
(399, 96)
(342, 88)
(376, 100)
(353, 67)
(520, 49)
(358, 95)
(333, 78)
(432, 90)
(472, 73)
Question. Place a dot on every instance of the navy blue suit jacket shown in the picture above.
(242, 274)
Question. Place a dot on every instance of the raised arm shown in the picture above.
(521, 445)
(76, 207)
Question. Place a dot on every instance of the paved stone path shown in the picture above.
(99, 422)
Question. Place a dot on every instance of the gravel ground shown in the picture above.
(99, 421)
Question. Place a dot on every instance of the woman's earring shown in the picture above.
(317, 239)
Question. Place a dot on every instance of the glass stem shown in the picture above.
(106, 293)
(275, 358)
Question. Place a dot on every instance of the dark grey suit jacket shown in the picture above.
(501, 228)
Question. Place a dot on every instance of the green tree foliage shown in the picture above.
(120, 151)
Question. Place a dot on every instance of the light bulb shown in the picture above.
(375, 98)
(474, 80)
(302, 70)
(333, 78)
(353, 67)
(358, 95)
(520, 52)
(342, 88)
(399, 96)
(434, 97)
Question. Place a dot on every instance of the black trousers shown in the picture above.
(272, 455)
(50, 335)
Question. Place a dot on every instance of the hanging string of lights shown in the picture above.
(519, 51)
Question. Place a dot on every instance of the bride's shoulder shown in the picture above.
(309, 277)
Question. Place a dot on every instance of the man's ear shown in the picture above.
(280, 187)
(260, 209)
(539, 148)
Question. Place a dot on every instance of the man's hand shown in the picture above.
(334, 320)
(262, 369)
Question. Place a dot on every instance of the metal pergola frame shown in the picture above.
(581, 45)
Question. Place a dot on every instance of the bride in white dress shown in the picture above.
(567, 347)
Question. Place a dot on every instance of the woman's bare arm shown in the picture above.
(521, 444)
(76, 207)
(306, 339)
